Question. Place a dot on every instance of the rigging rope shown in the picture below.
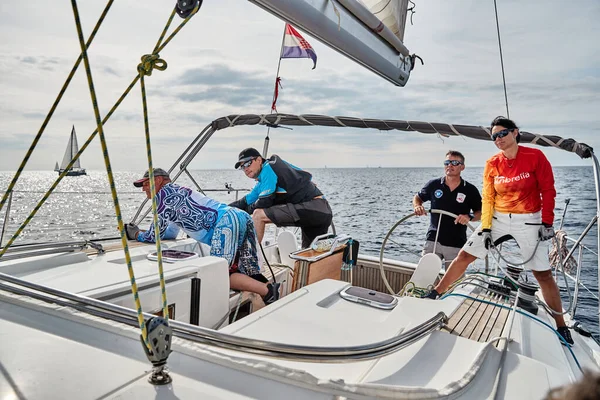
(111, 181)
(150, 62)
(53, 108)
(501, 60)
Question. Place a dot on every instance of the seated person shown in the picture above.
(284, 195)
(228, 231)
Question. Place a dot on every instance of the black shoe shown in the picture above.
(433, 294)
(272, 294)
(564, 332)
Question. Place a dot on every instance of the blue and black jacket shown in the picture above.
(279, 182)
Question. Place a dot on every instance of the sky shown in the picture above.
(224, 62)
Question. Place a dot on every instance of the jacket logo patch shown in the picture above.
(460, 197)
(438, 193)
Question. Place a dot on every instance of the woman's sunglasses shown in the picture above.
(246, 164)
(501, 134)
(454, 163)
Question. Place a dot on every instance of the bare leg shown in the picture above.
(455, 270)
(551, 294)
(260, 219)
(243, 282)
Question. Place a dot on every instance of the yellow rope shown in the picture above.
(111, 180)
(9, 190)
(415, 291)
(61, 176)
(154, 62)
(53, 108)
(150, 62)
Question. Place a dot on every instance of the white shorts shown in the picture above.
(524, 228)
(446, 253)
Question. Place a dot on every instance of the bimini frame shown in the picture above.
(442, 129)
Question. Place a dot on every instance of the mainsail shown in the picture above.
(391, 12)
(72, 149)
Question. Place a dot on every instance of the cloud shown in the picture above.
(224, 62)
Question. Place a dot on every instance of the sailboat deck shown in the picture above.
(477, 320)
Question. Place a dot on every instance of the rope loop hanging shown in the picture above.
(151, 62)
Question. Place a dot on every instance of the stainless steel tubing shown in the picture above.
(193, 149)
(37, 246)
(17, 256)
(597, 182)
(214, 338)
(6, 218)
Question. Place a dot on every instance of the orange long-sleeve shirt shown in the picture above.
(520, 186)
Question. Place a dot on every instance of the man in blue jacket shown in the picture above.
(284, 195)
(228, 231)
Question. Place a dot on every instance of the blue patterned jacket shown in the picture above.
(183, 208)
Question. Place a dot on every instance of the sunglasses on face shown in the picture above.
(501, 134)
(246, 164)
(454, 163)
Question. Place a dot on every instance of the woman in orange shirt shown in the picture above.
(517, 201)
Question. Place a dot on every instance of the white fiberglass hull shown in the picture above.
(55, 352)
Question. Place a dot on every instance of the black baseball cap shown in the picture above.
(157, 172)
(246, 155)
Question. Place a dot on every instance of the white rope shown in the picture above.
(263, 119)
(454, 130)
(301, 118)
(546, 140)
(336, 119)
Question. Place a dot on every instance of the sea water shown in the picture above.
(366, 203)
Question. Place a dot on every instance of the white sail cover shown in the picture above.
(391, 12)
(348, 27)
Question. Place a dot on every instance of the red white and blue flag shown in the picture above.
(295, 46)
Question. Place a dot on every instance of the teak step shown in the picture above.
(477, 320)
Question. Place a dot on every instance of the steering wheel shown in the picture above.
(387, 237)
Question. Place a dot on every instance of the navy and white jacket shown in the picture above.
(279, 182)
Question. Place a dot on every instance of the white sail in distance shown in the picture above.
(72, 149)
(391, 12)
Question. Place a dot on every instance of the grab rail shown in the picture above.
(6, 217)
(224, 340)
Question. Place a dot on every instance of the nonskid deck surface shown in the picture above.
(320, 317)
(314, 315)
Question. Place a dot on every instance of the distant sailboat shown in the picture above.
(72, 149)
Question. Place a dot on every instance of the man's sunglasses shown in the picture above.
(454, 163)
(246, 164)
(501, 134)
